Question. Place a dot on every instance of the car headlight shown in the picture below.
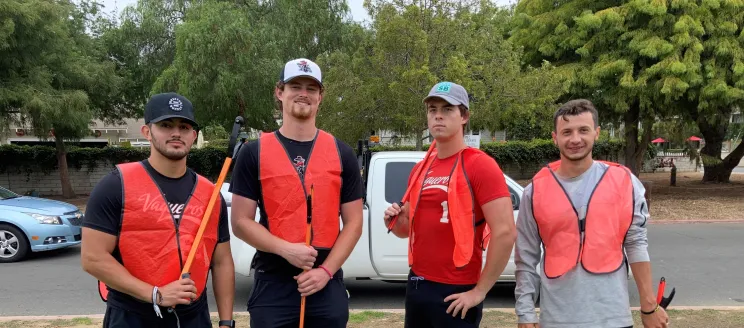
(46, 219)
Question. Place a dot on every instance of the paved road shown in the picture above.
(704, 262)
(738, 169)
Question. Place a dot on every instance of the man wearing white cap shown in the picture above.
(277, 174)
(453, 193)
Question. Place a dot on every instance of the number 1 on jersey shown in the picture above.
(445, 213)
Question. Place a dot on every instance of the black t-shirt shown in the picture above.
(245, 183)
(103, 213)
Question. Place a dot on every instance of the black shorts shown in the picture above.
(426, 308)
(116, 317)
(275, 303)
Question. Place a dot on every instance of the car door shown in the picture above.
(387, 184)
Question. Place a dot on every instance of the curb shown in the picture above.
(695, 221)
(391, 311)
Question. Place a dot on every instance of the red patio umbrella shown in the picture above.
(693, 138)
(658, 140)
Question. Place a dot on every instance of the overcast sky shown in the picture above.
(357, 10)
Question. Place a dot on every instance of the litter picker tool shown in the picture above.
(660, 299)
(216, 192)
(308, 233)
(420, 170)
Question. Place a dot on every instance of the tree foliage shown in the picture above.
(414, 45)
(54, 75)
(643, 60)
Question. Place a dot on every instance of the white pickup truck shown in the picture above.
(378, 255)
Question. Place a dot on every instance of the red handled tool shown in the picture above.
(660, 299)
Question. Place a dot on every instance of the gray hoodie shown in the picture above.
(578, 299)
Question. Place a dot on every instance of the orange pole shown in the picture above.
(207, 215)
(213, 199)
(307, 242)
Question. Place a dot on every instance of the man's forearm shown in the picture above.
(643, 279)
(497, 256)
(256, 235)
(344, 245)
(400, 229)
(224, 288)
(106, 269)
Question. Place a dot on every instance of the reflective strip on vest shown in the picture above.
(149, 243)
(608, 219)
(283, 194)
(461, 209)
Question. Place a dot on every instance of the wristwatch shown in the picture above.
(229, 323)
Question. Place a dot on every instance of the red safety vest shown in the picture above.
(284, 195)
(151, 247)
(609, 215)
(461, 207)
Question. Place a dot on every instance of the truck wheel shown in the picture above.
(13, 244)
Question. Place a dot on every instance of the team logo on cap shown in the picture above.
(444, 87)
(303, 66)
(175, 104)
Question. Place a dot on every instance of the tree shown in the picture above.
(643, 60)
(142, 43)
(415, 44)
(223, 66)
(53, 74)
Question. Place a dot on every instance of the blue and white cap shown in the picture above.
(301, 67)
(452, 93)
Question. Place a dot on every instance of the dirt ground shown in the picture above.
(491, 319)
(691, 199)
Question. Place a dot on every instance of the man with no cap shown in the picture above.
(586, 215)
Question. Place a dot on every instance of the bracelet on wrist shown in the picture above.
(326, 270)
(650, 312)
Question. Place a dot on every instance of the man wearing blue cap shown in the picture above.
(459, 189)
(140, 224)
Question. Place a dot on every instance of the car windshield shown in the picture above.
(7, 194)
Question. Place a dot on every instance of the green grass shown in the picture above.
(365, 316)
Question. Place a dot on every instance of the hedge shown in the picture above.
(208, 160)
(537, 151)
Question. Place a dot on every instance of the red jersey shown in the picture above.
(435, 241)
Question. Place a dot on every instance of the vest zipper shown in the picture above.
(578, 219)
(413, 213)
(176, 225)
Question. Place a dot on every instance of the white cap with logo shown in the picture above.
(301, 67)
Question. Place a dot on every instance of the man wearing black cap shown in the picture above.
(140, 224)
(275, 174)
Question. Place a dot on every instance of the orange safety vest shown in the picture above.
(461, 210)
(152, 249)
(284, 195)
(609, 215)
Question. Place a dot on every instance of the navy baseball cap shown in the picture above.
(163, 106)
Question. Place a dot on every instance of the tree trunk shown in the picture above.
(64, 176)
(419, 140)
(634, 151)
(715, 169)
